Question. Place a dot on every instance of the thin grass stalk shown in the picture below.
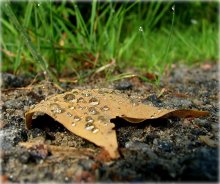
(36, 55)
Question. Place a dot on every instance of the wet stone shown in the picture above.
(165, 146)
(152, 99)
(123, 85)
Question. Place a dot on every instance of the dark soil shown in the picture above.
(156, 150)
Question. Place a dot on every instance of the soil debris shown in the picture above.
(163, 150)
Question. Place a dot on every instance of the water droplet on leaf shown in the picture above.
(93, 111)
(105, 108)
(95, 130)
(56, 109)
(89, 119)
(73, 124)
(76, 118)
(69, 98)
(93, 101)
(103, 120)
(69, 114)
(89, 126)
(86, 94)
(81, 100)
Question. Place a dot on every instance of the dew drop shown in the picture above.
(75, 92)
(69, 114)
(89, 126)
(141, 29)
(95, 130)
(37, 114)
(81, 100)
(76, 118)
(69, 98)
(92, 110)
(134, 102)
(89, 119)
(71, 107)
(103, 120)
(81, 107)
(93, 101)
(159, 110)
(73, 124)
(105, 108)
(56, 109)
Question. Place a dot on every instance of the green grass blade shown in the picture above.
(37, 57)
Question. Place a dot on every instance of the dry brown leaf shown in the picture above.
(87, 113)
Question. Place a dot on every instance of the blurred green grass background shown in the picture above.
(79, 39)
